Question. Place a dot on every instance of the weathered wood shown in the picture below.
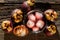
(1, 35)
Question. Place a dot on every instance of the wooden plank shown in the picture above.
(1, 35)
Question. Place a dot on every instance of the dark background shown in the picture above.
(8, 6)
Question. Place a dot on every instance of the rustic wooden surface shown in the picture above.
(5, 13)
(20, 1)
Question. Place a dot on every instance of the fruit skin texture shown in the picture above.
(38, 15)
(30, 24)
(25, 6)
(17, 15)
(50, 15)
(40, 24)
(28, 3)
(7, 26)
(50, 30)
(20, 30)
